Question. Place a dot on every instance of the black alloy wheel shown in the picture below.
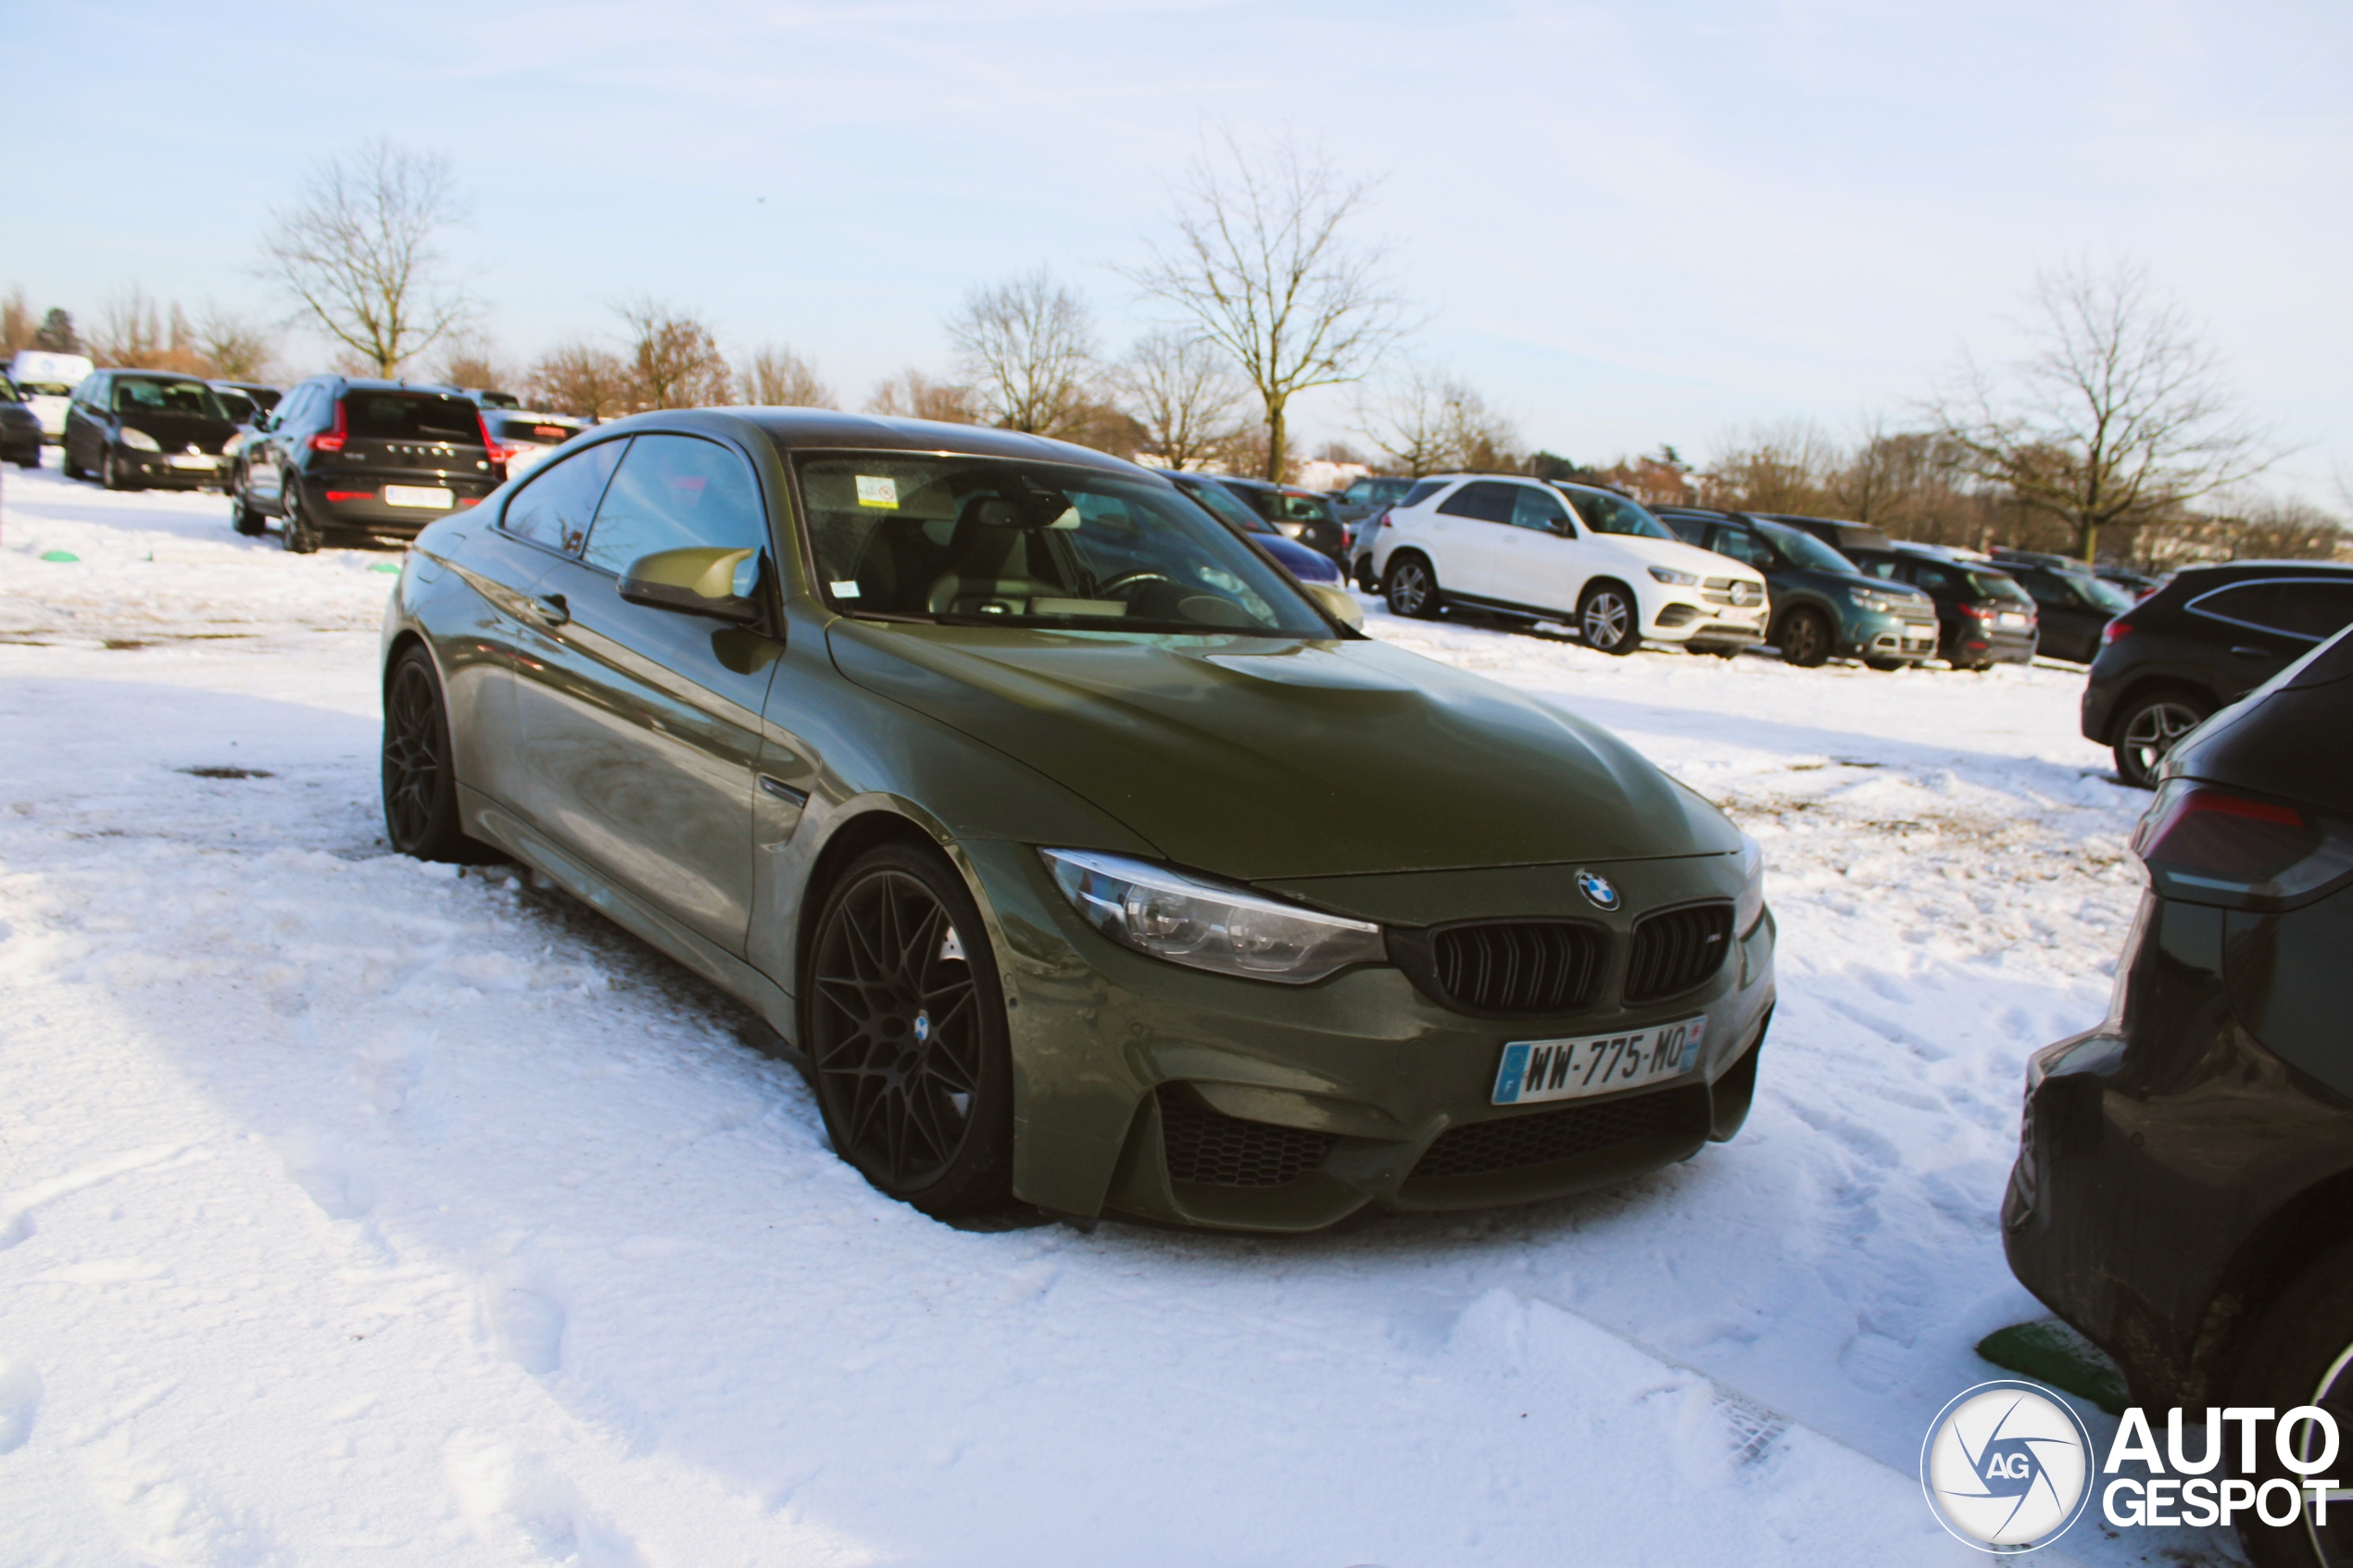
(904, 1025)
(2299, 1351)
(1412, 588)
(1804, 638)
(1609, 620)
(2151, 727)
(297, 533)
(420, 786)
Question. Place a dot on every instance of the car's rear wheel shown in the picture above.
(1412, 588)
(298, 534)
(2151, 726)
(1609, 620)
(904, 1021)
(1804, 638)
(420, 785)
(2300, 1352)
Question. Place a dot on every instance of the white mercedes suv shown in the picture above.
(1570, 553)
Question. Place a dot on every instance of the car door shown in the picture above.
(83, 437)
(266, 465)
(639, 728)
(2269, 624)
(1534, 559)
(1465, 532)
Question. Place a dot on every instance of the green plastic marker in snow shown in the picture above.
(59, 554)
(381, 566)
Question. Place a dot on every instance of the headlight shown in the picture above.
(1750, 905)
(1668, 574)
(139, 440)
(1206, 924)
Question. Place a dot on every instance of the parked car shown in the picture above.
(374, 457)
(1984, 618)
(2206, 638)
(1299, 514)
(1367, 496)
(1570, 553)
(133, 430)
(795, 697)
(485, 397)
(1846, 539)
(21, 432)
(1308, 566)
(1365, 529)
(2180, 1190)
(262, 396)
(529, 438)
(2074, 608)
(47, 381)
(1823, 604)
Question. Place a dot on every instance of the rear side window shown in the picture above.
(2299, 609)
(409, 415)
(673, 493)
(554, 508)
(1487, 502)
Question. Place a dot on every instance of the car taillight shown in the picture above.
(1384, 521)
(499, 452)
(351, 495)
(2115, 631)
(332, 440)
(2212, 846)
(1980, 612)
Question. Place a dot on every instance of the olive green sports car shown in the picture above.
(1083, 857)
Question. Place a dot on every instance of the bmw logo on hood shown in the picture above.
(1597, 889)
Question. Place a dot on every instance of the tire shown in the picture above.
(2299, 1351)
(298, 534)
(110, 473)
(1610, 620)
(70, 469)
(1412, 588)
(900, 940)
(2148, 728)
(1804, 638)
(242, 518)
(419, 785)
(1364, 577)
(1885, 665)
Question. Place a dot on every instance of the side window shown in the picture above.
(1934, 579)
(2315, 609)
(1421, 490)
(673, 491)
(2048, 590)
(296, 414)
(1735, 543)
(1690, 530)
(1535, 508)
(1485, 501)
(556, 505)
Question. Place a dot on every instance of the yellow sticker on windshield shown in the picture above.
(875, 492)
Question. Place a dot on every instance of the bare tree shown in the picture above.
(469, 359)
(1180, 388)
(57, 334)
(237, 348)
(131, 331)
(1784, 467)
(358, 252)
(16, 322)
(1027, 347)
(579, 378)
(2118, 418)
(673, 360)
(914, 395)
(1427, 420)
(776, 377)
(1264, 266)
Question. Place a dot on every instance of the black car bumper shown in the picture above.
(177, 470)
(366, 510)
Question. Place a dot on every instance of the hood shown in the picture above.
(1252, 757)
(1677, 556)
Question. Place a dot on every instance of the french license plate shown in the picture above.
(419, 496)
(1597, 1064)
(195, 461)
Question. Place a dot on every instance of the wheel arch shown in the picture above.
(882, 821)
(2308, 1225)
(2152, 684)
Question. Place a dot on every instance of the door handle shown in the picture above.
(552, 609)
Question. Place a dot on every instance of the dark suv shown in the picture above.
(2206, 637)
(372, 456)
(2184, 1190)
(1367, 495)
(2075, 606)
(1982, 617)
(1298, 514)
(1822, 603)
(134, 428)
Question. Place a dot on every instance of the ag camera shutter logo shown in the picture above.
(2007, 1466)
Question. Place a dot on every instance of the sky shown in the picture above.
(1627, 224)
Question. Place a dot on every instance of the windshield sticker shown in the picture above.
(878, 492)
(848, 590)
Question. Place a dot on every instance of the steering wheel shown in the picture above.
(1128, 579)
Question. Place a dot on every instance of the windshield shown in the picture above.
(1997, 586)
(1301, 508)
(990, 541)
(189, 398)
(239, 407)
(1801, 548)
(1605, 513)
(2103, 596)
(1221, 503)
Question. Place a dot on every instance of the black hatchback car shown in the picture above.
(2206, 637)
(1982, 617)
(2184, 1190)
(136, 428)
(19, 427)
(372, 456)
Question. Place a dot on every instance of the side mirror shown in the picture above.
(1337, 603)
(701, 580)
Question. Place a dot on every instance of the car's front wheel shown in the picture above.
(2151, 726)
(241, 517)
(2299, 1352)
(420, 785)
(1608, 618)
(1412, 588)
(298, 534)
(1804, 638)
(904, 1021)
(110, 474)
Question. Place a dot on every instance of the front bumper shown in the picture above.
(164, 471)
(1690, 619)
(1332, 1097)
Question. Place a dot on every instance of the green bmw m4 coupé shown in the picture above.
(1086, 858)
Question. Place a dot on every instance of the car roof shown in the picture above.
(798, 428)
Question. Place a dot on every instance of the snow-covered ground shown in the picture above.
(357, 1211)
